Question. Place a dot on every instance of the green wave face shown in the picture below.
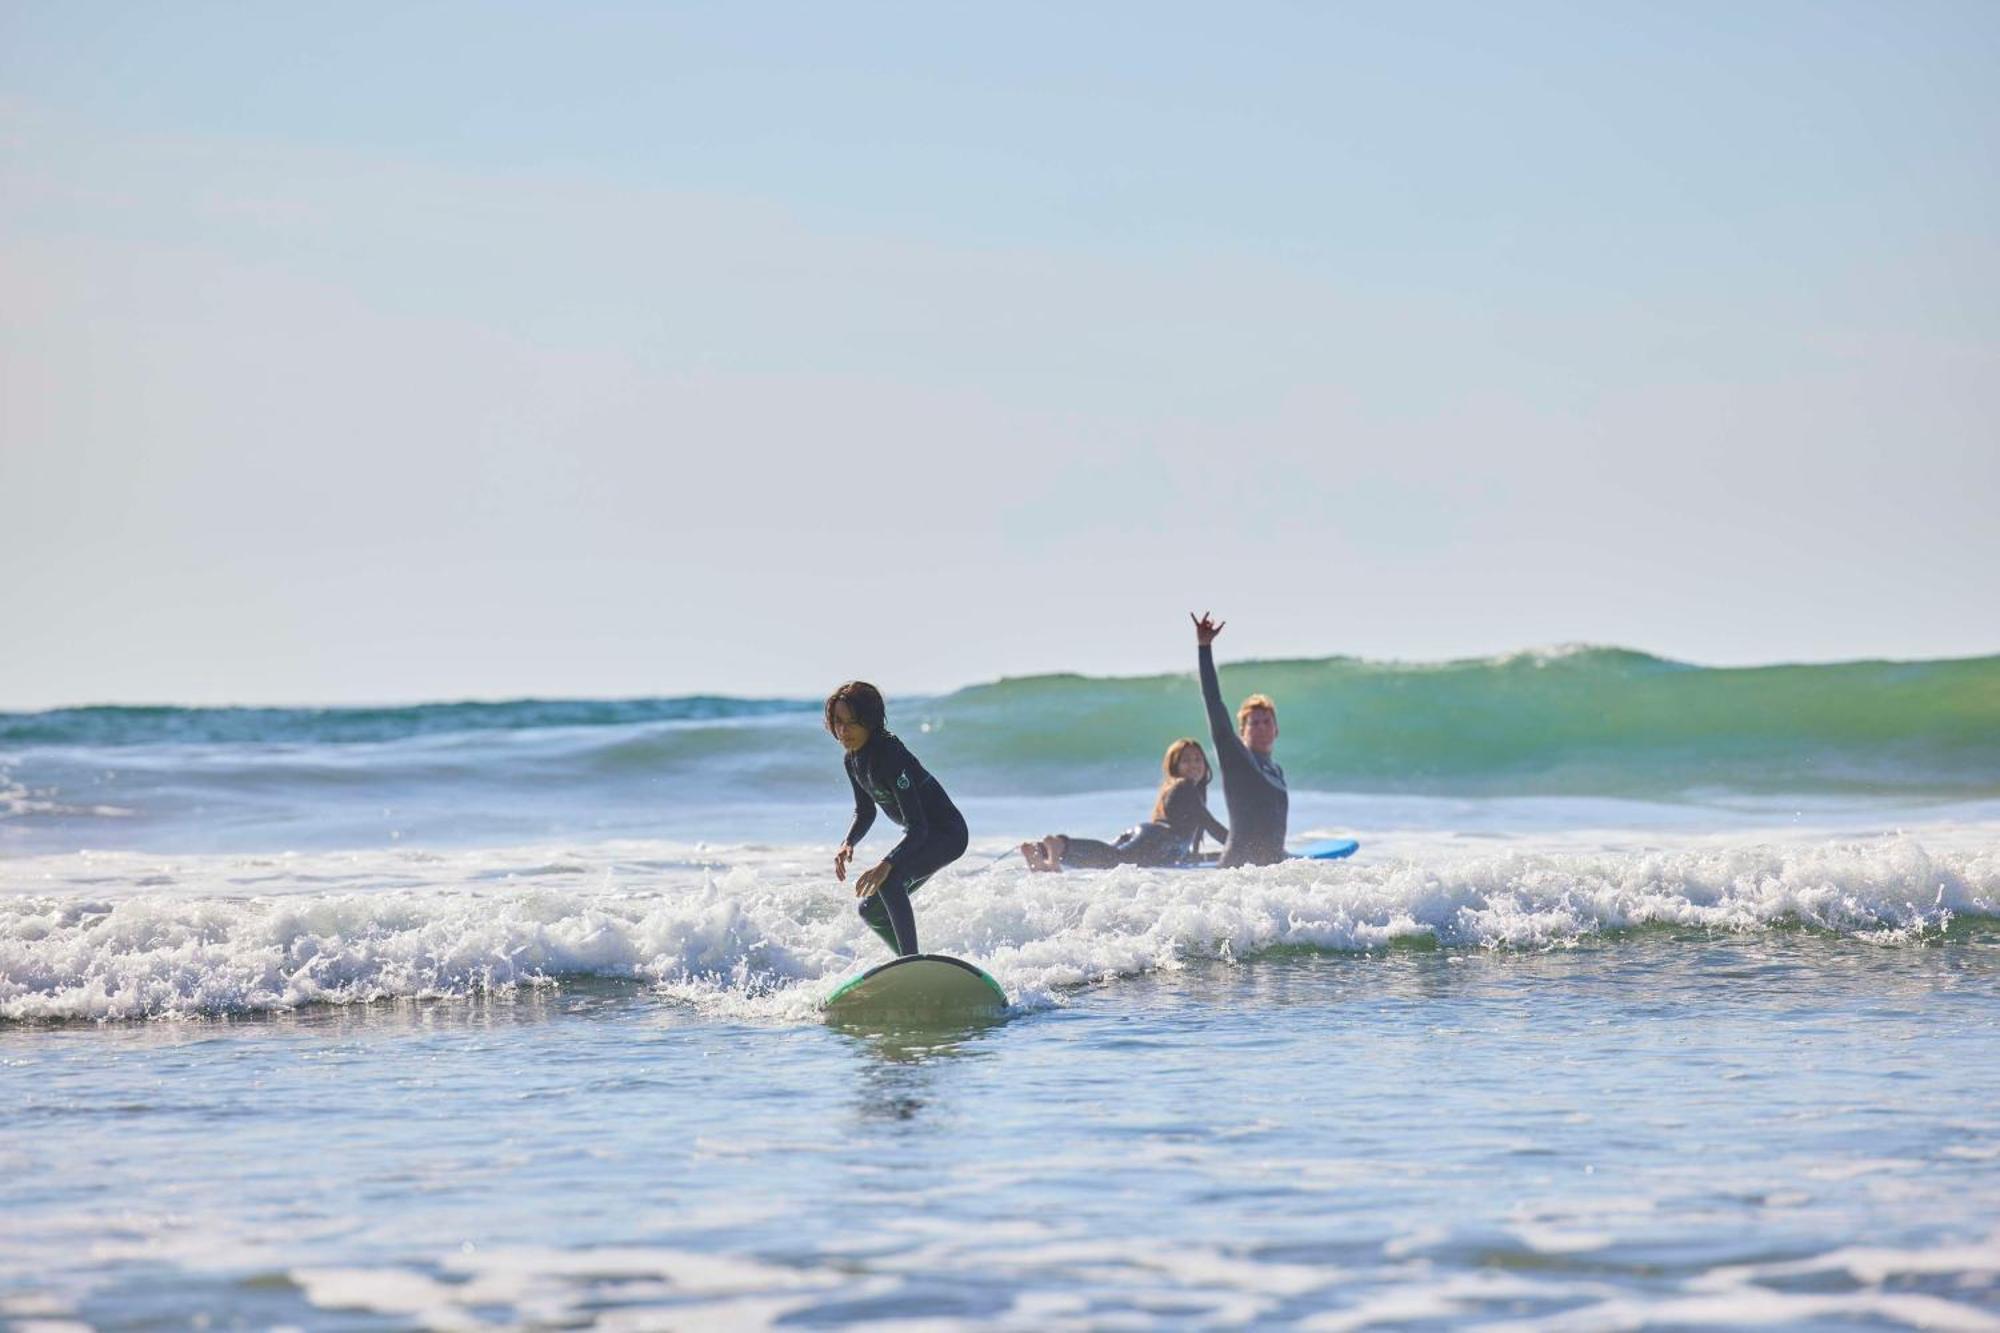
(114, 725)
(1594, 721)
(1588, 721)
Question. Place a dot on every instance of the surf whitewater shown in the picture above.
(1613, 920)
(1588, 721)
(166, 861)
(761, 934)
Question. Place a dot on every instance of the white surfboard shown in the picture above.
(924, 988)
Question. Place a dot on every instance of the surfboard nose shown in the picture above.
(921, 988)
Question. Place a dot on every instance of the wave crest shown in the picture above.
(767, 938)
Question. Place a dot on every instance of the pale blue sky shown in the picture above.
(401, 352)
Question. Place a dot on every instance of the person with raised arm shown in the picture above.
(1253, 786)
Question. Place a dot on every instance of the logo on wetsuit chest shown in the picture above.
(885, 799)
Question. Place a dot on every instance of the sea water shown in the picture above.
(1679, 1008)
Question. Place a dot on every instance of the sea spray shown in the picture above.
(763, 935)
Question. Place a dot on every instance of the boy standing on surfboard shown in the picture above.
(1253, 785)
(884, 773)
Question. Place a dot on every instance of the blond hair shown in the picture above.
(1174, 753)
(1255, 701)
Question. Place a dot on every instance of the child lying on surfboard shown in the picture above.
(884, 773)
(1170, 837)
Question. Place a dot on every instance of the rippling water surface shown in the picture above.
(1672, 1127)
(497, 1016)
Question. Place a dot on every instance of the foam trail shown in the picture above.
(763, 935)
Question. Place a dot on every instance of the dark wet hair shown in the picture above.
(862, 699)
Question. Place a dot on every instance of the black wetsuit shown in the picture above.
(1253, 786)
(1157, 842)
(885, 773)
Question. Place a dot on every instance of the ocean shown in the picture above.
(1658, 996)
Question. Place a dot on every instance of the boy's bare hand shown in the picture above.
(871, 879)
(840, 860)
(1205, 629)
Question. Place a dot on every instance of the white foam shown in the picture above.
(1137, 1276)
(765, 933)
(17, 801)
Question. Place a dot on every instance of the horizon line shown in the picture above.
(1559, 650)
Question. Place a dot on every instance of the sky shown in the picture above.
(398, 352)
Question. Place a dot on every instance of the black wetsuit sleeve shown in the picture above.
(1230, 751)
(864, 809)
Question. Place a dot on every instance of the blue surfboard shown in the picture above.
(1333, 849)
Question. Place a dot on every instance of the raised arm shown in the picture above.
(1221, 726)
